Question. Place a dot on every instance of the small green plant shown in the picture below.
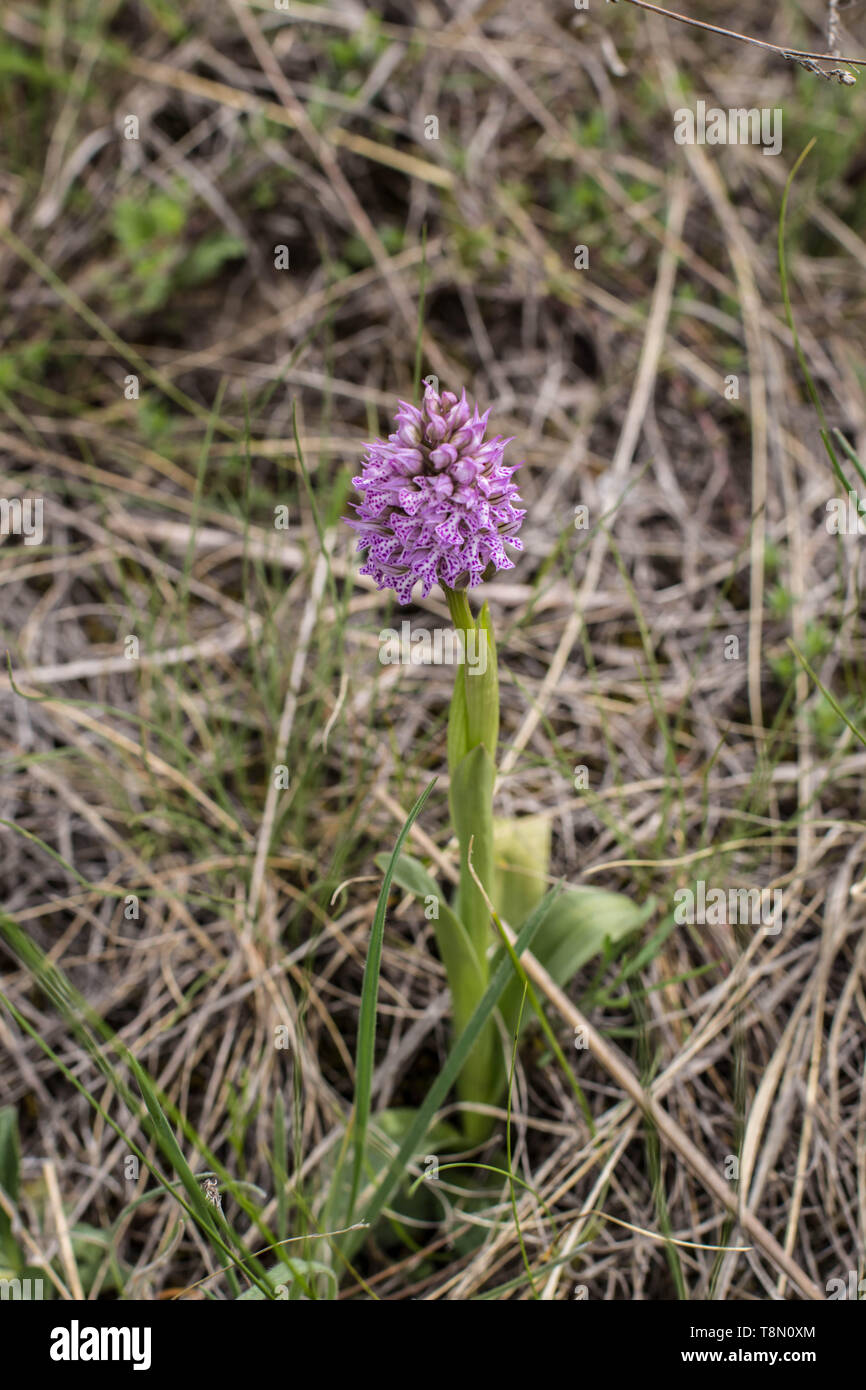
(157, 260)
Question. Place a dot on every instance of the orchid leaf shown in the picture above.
(451, 936)
(471, 794)
(521, 863)
(576, 928)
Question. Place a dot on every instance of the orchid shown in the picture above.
(440, 506)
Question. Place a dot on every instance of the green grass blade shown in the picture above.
(369, 998)
(97, 1037)
(789, 314)
(850, 453)
(419, 336)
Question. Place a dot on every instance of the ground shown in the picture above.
(232, 237)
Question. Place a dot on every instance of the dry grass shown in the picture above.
(153, 777)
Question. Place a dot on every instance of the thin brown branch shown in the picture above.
(793, 54)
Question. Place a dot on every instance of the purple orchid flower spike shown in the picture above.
(439, 503)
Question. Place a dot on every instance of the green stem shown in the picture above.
(472, 738)
(481, 690)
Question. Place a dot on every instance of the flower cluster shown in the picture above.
(438, 500)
